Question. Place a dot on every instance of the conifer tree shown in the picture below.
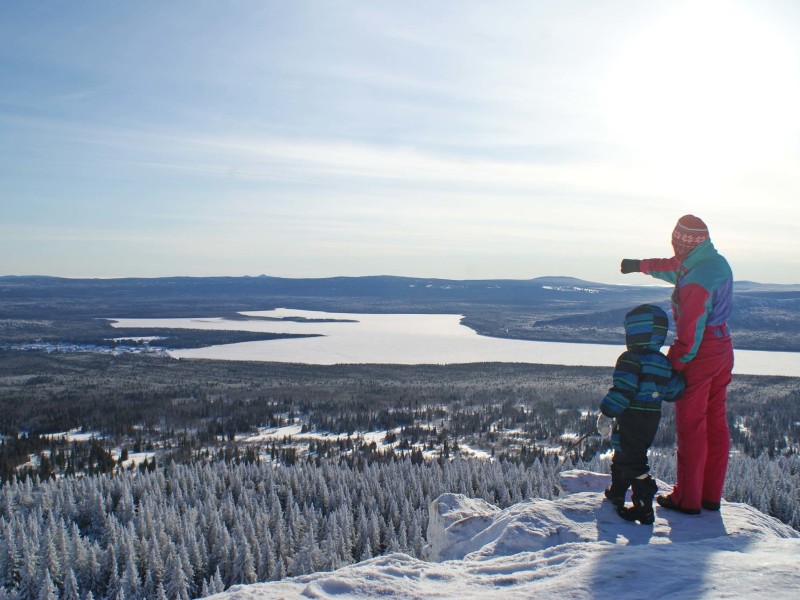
(131, 583)
(71, 589)
(266, 565)
(402, 538)
(175, 584)
(217, 586)
(366, 554)
(280, 569)
(47, 589)
(111, 573)
(49, 559)
(150, 585)
(28, 582)
(9, 557)
(243, 568)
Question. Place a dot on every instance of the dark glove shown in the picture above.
(679, 383)
(630, 265)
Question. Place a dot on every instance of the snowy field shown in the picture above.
(75, 435)
(79, 436)
(574, 547)
(295, 433)
(353, 338)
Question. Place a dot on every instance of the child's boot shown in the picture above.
(616, 496)
(617, 490)
(643, 490)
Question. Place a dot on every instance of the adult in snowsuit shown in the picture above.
(643, 378)
(702, 351)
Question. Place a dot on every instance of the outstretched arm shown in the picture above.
(666, 269)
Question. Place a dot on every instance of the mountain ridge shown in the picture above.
(551, 308)
(264, 276)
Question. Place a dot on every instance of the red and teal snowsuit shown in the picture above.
(702, 351)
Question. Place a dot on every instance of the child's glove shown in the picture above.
(677, 386)
(629, 265)
(605, 425)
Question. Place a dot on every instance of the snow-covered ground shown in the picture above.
(573, 547)
(75, 435)
(70, 348)
(295, 432)
(134, 458)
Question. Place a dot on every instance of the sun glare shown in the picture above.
(708, 88)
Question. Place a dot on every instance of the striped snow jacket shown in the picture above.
(643, 377)
(702, 300)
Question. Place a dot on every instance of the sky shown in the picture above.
(453, 139)
(572, 547)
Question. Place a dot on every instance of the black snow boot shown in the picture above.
(618, 488)
(616, 497)
(642, 492)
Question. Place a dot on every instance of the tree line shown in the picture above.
(185, 531)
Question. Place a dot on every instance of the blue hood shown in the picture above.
(646, 327)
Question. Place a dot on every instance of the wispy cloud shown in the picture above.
(401, 137)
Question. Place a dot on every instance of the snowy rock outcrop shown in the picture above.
(572, 547)
(470, 529)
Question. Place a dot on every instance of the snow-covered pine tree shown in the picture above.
(175, 584)
(47, 589)
(198, 513)
(131, 583)
(243, 564)
(71, 589)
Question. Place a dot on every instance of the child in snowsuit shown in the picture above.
(643, 378)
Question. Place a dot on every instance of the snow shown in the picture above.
(466, 450)
(295, 431)
(572, 547)
(69, 348)
(272, 433)
(134, 458)
(570, 288)
(401, 338)
(75, 435)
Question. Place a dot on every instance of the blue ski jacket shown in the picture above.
(643, 376)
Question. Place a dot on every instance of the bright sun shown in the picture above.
(708, 85)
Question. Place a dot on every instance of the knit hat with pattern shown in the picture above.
(689, 233)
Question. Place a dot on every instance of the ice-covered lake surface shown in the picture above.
(354, 338)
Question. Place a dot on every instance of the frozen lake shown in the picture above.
(409, 339)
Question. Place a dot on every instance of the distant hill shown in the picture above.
(766, 316)
(185, 294)
(753, 287)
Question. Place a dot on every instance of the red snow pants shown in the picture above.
(701, 423)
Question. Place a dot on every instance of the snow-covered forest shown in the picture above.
(250, 473)
(186, 531)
